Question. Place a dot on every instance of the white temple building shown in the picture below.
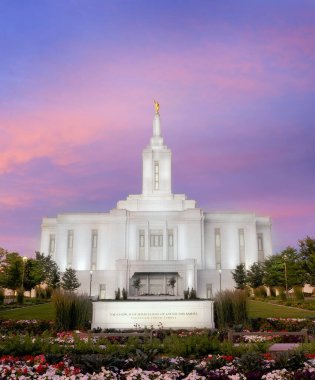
(155, 236)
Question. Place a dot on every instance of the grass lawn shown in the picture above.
(256, 309)
(43, 311)
(264, 310)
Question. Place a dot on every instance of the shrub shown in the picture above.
(193, 294)
(1, 296)
(193, 344)
(186, 294)
(49, 292)
(251, 361)
(272, 291)
(298, 293)
(263, 292)
(21, 345)
(24, 326)
(124, 294)
(20, 296)
(117, 294)
(72, 311)
(290, 360)
(260, 292)
(40, 292)
(282, 293)
(230, 308)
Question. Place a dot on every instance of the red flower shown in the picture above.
(41, 368)
(267, 356)
(228, 358)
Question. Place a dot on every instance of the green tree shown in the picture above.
(275, 273)
(294, 267)
(255, 275)
(307, 256)
(69, 280)
(50, 270)
(12, 271)
(239, 276)
(33, 274)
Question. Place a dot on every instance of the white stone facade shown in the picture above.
(155, 236)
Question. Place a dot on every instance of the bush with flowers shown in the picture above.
(198, 354)
(283, 324)
(31, 326)
(253, 367)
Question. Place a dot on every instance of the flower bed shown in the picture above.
(212, 367)
(32, 326)
(283, 324)
(198, 354)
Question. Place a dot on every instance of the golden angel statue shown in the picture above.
(157, 106)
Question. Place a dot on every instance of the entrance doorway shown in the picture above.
(154, 284)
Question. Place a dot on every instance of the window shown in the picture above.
(241, 237)
(156, 175)
(70, 239)
(156, 239)
(170, 239)
(52, 241)
(260, 242)
(241, 246)
(141, 239)
(69, 248)
(217, 245)
(94, 242)
(94, 239)
(209, 291)
(217, 238)
(102, 294)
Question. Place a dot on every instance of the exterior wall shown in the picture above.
(211, 277)
(118, 241)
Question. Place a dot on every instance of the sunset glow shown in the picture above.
(236, 85)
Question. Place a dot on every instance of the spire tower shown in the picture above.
(157, 162)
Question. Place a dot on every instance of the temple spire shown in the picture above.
(156, 139)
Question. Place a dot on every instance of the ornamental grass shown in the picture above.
(73, 311)
(230, 308)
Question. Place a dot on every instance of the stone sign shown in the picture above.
(168, 314)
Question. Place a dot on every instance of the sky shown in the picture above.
(235, 81)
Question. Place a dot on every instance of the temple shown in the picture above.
(157, 240)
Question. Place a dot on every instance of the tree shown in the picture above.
(255, 275)
(33, 274)
(284, 269)
(137, 284)
(69, 280)
(18, 273)
(239, 276)
(171, 283)
(50, 270)
(274, 271)
(12, 271)
(307, 256)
